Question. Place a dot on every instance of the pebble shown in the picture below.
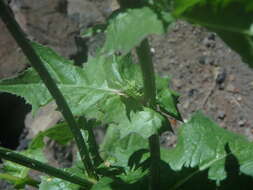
(221, 115)
(209, 41)
(239, 98)
(241, 122)
(212, 36)
(221, 76)
(192, 92)
(204, 60)
(152, 50)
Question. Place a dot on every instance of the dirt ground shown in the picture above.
(208, 75)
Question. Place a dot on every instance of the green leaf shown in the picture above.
(231, 19)
(60, 133)
(108, 89)
(117, 152)
(129, 28)
(167, 99)
(144, 123)
(92, 31)
(202, 144)
(51, 183)
(133, 180)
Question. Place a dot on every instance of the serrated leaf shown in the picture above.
(116, 151)
(106, 88)
(230, 19)
(202, 144)
(143, 123)
(129, 28)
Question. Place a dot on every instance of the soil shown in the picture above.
(208, 75)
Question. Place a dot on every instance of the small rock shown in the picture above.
(221, 77)
(212, 36)
(221, 115)
(239, 98)
(205, 60)
(242, 122)
(209, 42)
(192, 92)
(221, 86)
(152, 50)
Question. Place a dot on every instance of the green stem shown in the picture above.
(93, 147)
(145, 59)
(39, 166)
(37, 64)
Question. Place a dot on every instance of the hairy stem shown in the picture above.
(93, 146)
(148, 74)
(39, 166)
(37, 64)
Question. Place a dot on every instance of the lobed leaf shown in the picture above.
(204, 145)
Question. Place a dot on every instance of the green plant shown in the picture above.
(132, 101)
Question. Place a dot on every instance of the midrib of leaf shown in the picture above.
(219, 27)
(111, 90)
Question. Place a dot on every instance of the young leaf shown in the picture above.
(230, 19)
(203, 144)
(129, 28)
